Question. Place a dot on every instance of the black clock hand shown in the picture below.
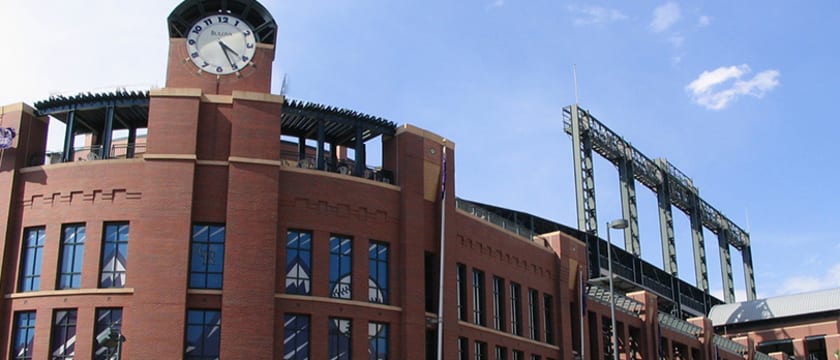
(224, 46)
(225, 50)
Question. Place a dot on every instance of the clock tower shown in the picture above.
(221, 45)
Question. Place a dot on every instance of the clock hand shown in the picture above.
(225, 50)
(224, 46)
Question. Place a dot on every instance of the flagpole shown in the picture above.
(442, 248)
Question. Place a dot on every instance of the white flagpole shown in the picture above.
(442, 247)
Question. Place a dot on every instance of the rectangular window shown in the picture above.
(298, 262)
(31, 259)
(23, 335)
(535, 357)
(518, 355)
(207, 258)
(533, 314)
(339, 339)
(463, 348)
(378, 272)
(461, 285)
(203, 334)
(114, 255)
(107, 333)
(815, 348)
(548, 314)
(480, 350)
(378, 337)
(501, 353)
(341, 267)
(70, 258)
(296, 337)
(498, 303)
(63, 343)
(478, 298)
(515, 309)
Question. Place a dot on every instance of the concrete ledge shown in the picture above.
(72, 292)
(408, 128)
(258, 96)
(337, 301)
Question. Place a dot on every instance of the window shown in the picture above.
(535, 357)
(501, 353)
(480, 350)
(548, 304)
(63, 344)
(341, 267)
(518, 355)
(339, 339)
(785, 346)
(114, 256)
(533, 314)
(378, 269)
(478, 298)
(461, 285)
(498, 303)
(23, 335)
(207, 258)
(515, 309)
(815, 347)
(70, 258)
(463, 348)
(31, 259)
(296, 337)
(108, 325)
(298, 262)
(203, 334)
(378, 337)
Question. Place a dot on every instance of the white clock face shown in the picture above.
(221, 44)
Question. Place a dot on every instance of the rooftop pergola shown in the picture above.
(98, 115)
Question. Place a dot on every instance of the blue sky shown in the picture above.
(738, 95)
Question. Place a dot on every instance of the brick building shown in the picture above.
(248, 226)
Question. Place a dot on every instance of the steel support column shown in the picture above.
(666, 227)
(360, 153)
(131, 145)
(701, 273)
(584, 174)
(319, 151)
(749, 275)
(107, 132)
(726, 266)
(69, 137)
(628, 206)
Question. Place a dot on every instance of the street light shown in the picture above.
(615, 224)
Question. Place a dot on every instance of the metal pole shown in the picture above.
(442, 247)
(612, 295)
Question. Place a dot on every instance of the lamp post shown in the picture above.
(615, 224)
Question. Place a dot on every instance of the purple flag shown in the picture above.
(6, 136)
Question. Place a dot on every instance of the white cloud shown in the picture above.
(495, 4)
(716, 89)
(704, 21)
(595, 15)
(676, 39)
(664, 16)
(800, 284)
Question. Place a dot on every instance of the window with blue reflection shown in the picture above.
(108, 321)
(70, 258)
(339, 341)
(114, 256)
(63, 344)
(207, 256)
(203, 335)
(341, 269)
(31, 260)
(378, 337)
(296, 337)
(298, 262)
(23, 335)
(378, 269)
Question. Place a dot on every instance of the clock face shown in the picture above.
(221, 44)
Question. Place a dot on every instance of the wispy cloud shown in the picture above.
(716, 89)
(495, 4)
(676, 39)
(664, 16)
(800, 284)
(595, 15)
(704, 21)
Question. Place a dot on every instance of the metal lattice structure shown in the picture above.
(673, 189)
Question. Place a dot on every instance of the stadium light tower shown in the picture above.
(617, 224)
